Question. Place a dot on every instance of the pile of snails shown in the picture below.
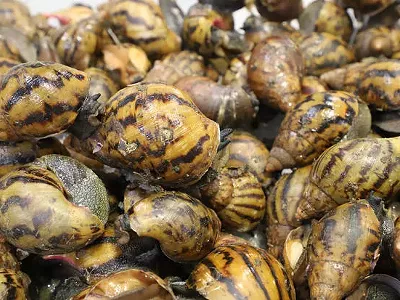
(150, 154)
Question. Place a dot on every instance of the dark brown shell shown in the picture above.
(279, 10)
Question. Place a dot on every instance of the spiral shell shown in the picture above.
(241, 272)
(350, 170)
(156, 130)
(344, 245)
(186, 229)
(315, 124)
(40, 99)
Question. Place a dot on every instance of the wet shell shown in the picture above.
(245, 150)
(323, 52)
(40, 99)
(350, 170)
(282, 206)
(279, 11)
(176, 66)
(344, 245)
(379, 85)
(15, 154)
(229, 106)
(156, 130)
(237, 197)
(131, 283)
(315, 124)
(241, 272)
(101, 83)
(326, 16)
(36, 214)
(186, 229)
(274, 72)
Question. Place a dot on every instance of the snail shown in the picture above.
(241, 271)
(343, 248)
(15, 13)
(101, 83)
(40, 99)
(274, 72)
(237, 197)
(315, 124)
(186, 229)
(157, 131)
(323, 52)
(176, 66)
(229, 106)
(279, 11)
(350, 170)
(282, 205)
(15, 154)
(326, 16)
(53, 205)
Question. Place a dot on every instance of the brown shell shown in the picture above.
(350, 170)
(311, 85)
(315, 124)
(282, 206)
(379, 85)
(326, 16)
(323, 52)
(237, 197)
(176, 66)
(101, 83)
(344, 246)
(15, 154)
(274, 72)
(241, 272)
(229, 106)
(368, 6)
(279, 11)
(156, 130)
(40, 99)
(245, 150)
(134, 194)
(186, 229)
(38, 216)
(130, 284)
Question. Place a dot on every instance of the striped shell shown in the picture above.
(237, 197)
(315, 124)
(274, 72)
(241, 272)
(40, 99)
(186, 229)
(36, 214)
(15, 154)
(13, 285)
(380, 85)
(323, 52)
(156, 130)
(101, 83)
(350, 170)
(343, 248)
(282, 205)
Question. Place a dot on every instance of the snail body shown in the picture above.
(40, 99)
(343, 247)
(41, 219)
(274, 72)
(315, 124)
(156, 130)
(350, 170)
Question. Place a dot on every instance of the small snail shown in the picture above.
(101, 83)
(315, 124)
(186, 229)
(324, 52)
(241, 271)
(274, 72)
(237, 197)
(279, 11)
(229, 106)
(40, 99)
(176, 66)
(156, 130)
(343, 248)
(350, 170)
(54, 205)
(282, 205)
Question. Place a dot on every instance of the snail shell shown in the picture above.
(279, 11)
(15, 154)
(101, 83)
(311, 85)
(315, 124)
